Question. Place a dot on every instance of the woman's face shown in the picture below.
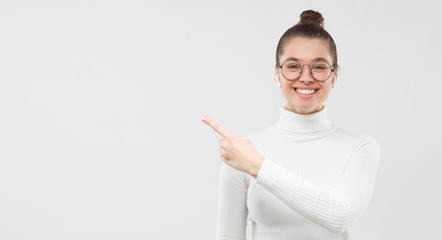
(306, 50)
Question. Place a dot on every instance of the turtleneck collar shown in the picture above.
(303, 126)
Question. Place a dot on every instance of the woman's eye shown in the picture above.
(293, 66)
(320, 67)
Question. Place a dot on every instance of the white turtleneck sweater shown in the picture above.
(316, 180)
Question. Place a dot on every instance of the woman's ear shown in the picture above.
(276, 75)
(335, 78)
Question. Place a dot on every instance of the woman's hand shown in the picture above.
(239, 153)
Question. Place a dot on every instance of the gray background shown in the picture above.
(101, 101)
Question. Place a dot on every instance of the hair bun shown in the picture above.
(311, 17)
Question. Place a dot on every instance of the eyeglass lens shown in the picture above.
(321, 70)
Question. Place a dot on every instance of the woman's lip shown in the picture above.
(305, 96)
(306, 88)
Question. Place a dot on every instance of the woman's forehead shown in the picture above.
(306, 50)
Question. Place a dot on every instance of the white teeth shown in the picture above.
(305, 91)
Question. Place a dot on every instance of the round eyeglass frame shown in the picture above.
(310, 67)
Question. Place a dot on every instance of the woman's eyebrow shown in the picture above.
(296, 59)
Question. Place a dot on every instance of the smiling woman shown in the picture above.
(302, 177)
(306, 43)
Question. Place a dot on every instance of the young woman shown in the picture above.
(302, 177)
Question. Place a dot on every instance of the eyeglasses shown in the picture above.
(320, 70)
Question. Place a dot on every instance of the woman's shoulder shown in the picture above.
(338, 135)
(358, 138)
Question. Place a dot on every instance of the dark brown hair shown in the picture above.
(311, 25)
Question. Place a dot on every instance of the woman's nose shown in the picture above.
(305, 74)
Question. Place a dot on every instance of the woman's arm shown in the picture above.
(232, 204)
(333, 209)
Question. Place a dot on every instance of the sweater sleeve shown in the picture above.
(232, 204)
(332, 209)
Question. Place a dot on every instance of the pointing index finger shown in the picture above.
(215, 126)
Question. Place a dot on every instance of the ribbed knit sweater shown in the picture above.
(316, 180)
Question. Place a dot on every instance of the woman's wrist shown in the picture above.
(254, 170)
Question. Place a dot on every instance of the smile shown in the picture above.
(305, 93)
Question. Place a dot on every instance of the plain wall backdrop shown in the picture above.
(101, 103)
